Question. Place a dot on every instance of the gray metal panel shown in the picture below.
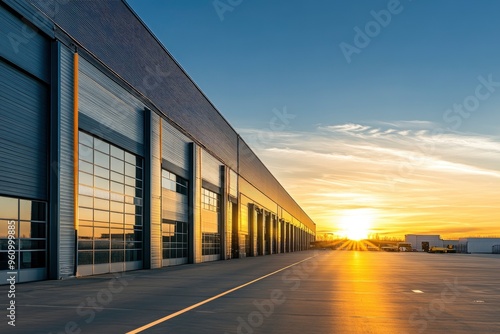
(36, 18)
(233, 184)
(210, 169)
(24, 105)
(175, 147)
(66, 178)
(156, 242)
(175, 206)
(23, 46)
(117, 113)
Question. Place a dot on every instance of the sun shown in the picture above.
(356, 224)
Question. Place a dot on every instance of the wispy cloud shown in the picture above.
(417, 180)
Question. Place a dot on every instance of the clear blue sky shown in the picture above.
(358, 126)
(268, 54)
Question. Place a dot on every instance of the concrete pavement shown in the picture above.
(305, 292)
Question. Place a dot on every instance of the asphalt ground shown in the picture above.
(305, 292)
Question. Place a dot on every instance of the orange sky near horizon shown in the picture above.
(409, 179)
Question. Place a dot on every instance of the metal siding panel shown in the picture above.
(106, 102)
(233, 184)
(23, 134)
(175, 206)
(66, 204)
(23, 46)
(175, 146)
(210, 169)
(156, 242)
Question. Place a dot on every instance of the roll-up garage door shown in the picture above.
(24, 113)
(24, 108)
(108, 111)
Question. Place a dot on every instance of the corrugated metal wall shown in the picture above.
(66, 179)
(23, 46)
(175, 147)
(233, 183)
(24, 111)
(109, 111)
(156, 242)
(210, 169)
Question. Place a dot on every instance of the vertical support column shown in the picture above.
(283, 236)
(261, 231)
(225, 238)
(278, 235)
(195, 205)
(269, 233)
(156, 221)
(76, 155)
(147, 224)
(55, 162)
(253, 227)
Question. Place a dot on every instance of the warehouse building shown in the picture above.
(112, 157)
(479, 245)
(423, 242)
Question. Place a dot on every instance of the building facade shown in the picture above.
(423, 242)
(112, 157)
(479, 245)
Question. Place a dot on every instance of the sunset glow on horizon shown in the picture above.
(415, 181)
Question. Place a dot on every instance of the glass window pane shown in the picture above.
(130, 191)
(116, 218)
(32, 230)
(85, 245)
(86, 179)
(32, 259)
(101, 233)
(101, 204)
(101, 146)
(117, 165)
(86, 139)
(9, 208)
(117, 152)
(86, 214)
(86, 167)
(4, 228)
(102, 216)
(117, 197)
(85, 201)
(117, 187)
(33, 245)
(129, 208)
(101, 183)
(130, 170)
(102, 193)
(85, 232)
(32, 210)
(102, 172)
(101, 257)
(85, 258)
(85, 153)
(117, 177)
(117, 206)
(117, 256)
(130, 158)
(101, 159)
(130, 181)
